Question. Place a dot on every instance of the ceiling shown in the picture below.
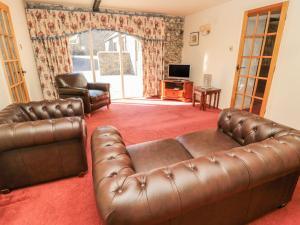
(171, 7)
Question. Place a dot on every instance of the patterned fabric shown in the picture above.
(49, 30)
(44, 23)
(152, 66)
(52, 58)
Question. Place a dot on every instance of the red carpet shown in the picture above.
(71, 201)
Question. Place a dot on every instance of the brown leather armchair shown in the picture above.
(231, 175)
(94, 95)
(40, 142)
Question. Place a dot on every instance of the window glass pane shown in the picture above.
(265, 67)
(262, 24)
(80, 51)
(8, 74)
(254, 67)
(269, 46)
(241, 85)
(247, 103)
(244, 66)
(250, 86)
(7, 44)
(274, 22)
(247, 47)
(2, 26)
(260, 90)
(256, 106)
(2, 48)
(7, 23)
(238, 102)
(258, 42)
(251, 25)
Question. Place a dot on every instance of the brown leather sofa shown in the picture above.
(230, 175)
(41, 141)
(94, 95)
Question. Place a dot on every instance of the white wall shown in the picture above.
(26, 54)
(213, 55)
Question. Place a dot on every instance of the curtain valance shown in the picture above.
(44, 24)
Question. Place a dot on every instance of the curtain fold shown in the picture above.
(49, 31)
(52, 58)
(152, 66)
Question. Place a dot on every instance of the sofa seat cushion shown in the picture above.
(155, 154)
(97, 95)
(204, 142)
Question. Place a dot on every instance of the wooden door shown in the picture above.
(260, 41)
(9, 56)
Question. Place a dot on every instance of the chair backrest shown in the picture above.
(247, 128)
(76, 80)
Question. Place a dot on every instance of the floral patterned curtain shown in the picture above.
(52, 58)
(49, 30)
(152, 66)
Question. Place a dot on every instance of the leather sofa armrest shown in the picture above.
(99, 86)
(26, 134)
(162, 194)
(73, 91)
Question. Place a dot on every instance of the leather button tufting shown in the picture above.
(111, 158)
(57, 107)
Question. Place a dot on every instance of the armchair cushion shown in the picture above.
(97, 95)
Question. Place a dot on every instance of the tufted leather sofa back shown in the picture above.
(75, 80)
(41, 110)
(247, 128)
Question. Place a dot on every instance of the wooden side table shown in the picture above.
(203, 93)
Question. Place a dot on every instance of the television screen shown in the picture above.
(179, 71)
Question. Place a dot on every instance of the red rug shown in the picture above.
(71, 201)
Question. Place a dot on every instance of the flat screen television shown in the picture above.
(179, 71)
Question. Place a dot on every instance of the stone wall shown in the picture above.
(173, 42)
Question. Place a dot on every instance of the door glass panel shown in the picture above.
(2, 23)
(269, 46)
(241, 85)
(274, 22)
(8, 74)
(261, 27)
(2, 48)
(244, 66)
(256, 55)
(247, 103)
(7, 23)
(247, 47)
(80, 51)
(257, 103)
(265, 67)
(132, 64)
(238, 102)
(260, 89)
(251, 25)
(250, 86)
(253, 67)
(258, 42)
(7, 44)
(106, 52)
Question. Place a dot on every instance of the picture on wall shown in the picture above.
(194, 39)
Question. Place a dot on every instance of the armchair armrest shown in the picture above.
(161, 194)
(99, 86)
(73, 91)
(26, 134)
